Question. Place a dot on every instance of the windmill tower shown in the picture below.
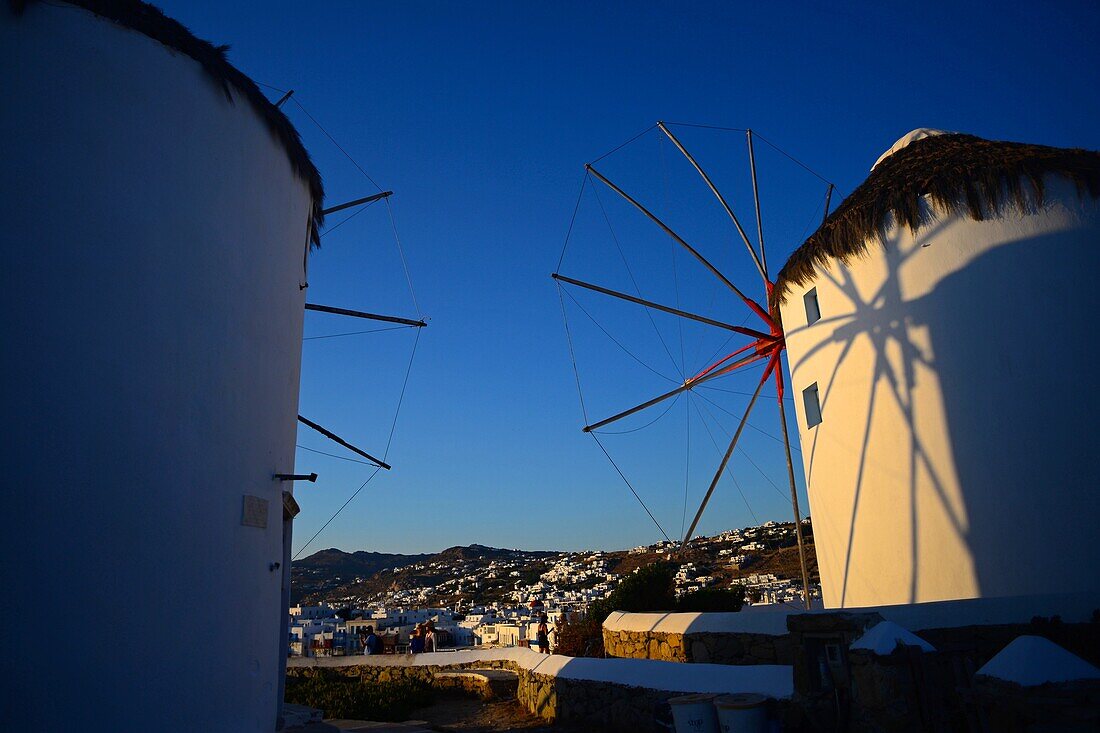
(158, 212)
(936, 327)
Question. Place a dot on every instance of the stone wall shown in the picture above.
(595, 705)
(715, 647)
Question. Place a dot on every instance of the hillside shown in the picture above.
(480, 575)
(325, 571)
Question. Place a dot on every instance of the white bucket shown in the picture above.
(742, 713)
(694, 713)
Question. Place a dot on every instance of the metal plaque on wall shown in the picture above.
(254, 512)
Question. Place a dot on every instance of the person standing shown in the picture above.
(429, 638)
(372, 644)
(543, 633)
(416, 641)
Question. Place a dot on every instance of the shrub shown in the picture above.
(581, 636)
(351, 698)
(651, 588)
(710, 600)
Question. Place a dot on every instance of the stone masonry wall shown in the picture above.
(704, 647)
(602, 706)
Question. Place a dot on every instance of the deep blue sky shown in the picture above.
(481, 116)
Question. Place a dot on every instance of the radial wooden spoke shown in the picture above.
(729, 451)
(680, 240)
(756, 201)
(664, 308)
(794, 492)
(337, 439)
(672, 393)
(828, 199)
(714, 190)
(362, 314)
(357, 202)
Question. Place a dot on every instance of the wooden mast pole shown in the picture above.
(657, 306)
(729, 452)
(721, 199)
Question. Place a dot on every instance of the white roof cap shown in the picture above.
(1032, 660)
(885, 636)
(918, 134)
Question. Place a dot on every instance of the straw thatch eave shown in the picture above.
(959, 174)
(150, 21)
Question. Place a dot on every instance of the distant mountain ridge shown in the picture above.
(327, 570)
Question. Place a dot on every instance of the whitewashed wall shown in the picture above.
(955, 370)
(152, 249)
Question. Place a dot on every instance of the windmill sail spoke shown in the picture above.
(357, 202)
(756, 201)
(664, 308)
(337, 439)
(680, 240)
(362, 314)
(689, 384)
(721, 199)
(729, 451)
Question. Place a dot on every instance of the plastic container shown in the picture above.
(694, 714)
(745, 712)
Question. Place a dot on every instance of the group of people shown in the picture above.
(422, 638)
(370, 642)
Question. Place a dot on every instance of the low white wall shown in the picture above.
(770, 680)
(1070, 607)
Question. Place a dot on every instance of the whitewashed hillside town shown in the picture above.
(480, 601)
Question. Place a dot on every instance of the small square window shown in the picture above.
(813, 310)
(812, 404)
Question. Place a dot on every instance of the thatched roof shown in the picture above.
(961, 174)
(150, 21)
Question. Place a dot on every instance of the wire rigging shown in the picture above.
(385, 454)
(643, 427)
(404, 263)
(584, 411)
(338, 146)
(342, 222)
(572, 355)
(572, 219)
(333, 455)
(356, 333)
(637, 290)
(728, 473)
(326, 524)
(401, 397)
(744, 453)
(791, 157)
(759, 430)
(607, 333)
(661, 143)
(412, 293)
(630, 486)
(687, 461)
(620, 147)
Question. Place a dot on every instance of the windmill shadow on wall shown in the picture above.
(960, 425)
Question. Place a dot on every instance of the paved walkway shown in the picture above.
(409, 726)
